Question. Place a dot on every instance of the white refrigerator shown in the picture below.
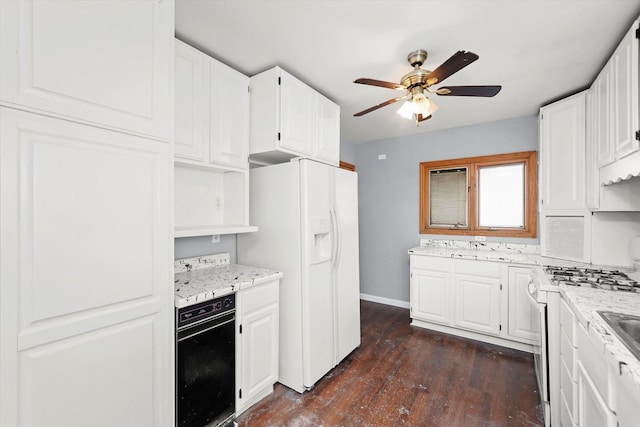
(307, 218)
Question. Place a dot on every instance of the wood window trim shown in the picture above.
(528, 158)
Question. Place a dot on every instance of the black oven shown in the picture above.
(205, 363)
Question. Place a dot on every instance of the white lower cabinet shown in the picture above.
(568, 367)
(519, 324)
(431, 289)
(258, 341)
(478, 296)
(86, 302)
(474, 299)
(592, 408)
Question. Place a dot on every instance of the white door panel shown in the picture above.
(90, 241)
(103, 62)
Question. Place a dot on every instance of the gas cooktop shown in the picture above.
(591, 277)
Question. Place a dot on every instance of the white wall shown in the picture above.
(389, 193)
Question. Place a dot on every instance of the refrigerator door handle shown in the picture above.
(335, 238)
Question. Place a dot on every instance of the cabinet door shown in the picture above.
(625, 95)
(101, 62)
(297, 113)
(85, 275)
(260, 355)
(592, 409)
(562, 150)
(431, 296)
(603, 116)
(477, 305)
(328, 130)
(591, 161)
(258, 343)
(190, 67)
(520, 310)
(229, 116)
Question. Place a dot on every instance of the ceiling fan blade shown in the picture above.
(373, 82)
(383, 104)
(457, 62)
(419, 118)
(486, 91)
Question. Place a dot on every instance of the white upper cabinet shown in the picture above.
(602, 114)
(189, 102)
(562, 154)
(211, 175)
(619, 146)
(289, 119)
(211, 112)
(296, 115)
(229, 116)
(625, 95)
(108, 64)
(328, 130)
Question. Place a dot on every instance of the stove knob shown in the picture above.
(227, 302)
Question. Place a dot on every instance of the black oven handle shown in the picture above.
(202, 327)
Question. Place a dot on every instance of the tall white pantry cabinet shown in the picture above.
(86, 242)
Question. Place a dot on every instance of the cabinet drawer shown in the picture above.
(568, 389)
(259, 296)
(565, 415)
(479, 268)
(568, 322)
(432, 263)
(591, 355)
(568, 355)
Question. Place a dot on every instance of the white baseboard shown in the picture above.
(387, 301)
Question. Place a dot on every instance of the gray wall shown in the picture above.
(388, 193)
(187, 247)
(347, 152)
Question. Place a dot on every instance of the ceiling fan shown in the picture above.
(417, 83)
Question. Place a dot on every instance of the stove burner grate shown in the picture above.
(591, 277)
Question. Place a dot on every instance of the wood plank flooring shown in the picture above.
(407, 376)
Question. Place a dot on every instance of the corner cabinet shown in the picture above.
(473, 299)
(289, 119)
(565, 221)
(258, 341)
(211, 146)
(67, 60)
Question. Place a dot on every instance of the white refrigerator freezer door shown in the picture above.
(318, 349)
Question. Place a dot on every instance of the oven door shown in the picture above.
(540, 355)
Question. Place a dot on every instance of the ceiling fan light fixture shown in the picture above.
(419, 104)
(406, 110)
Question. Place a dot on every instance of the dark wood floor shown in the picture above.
(407, 376)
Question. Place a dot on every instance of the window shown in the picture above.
(484, 196)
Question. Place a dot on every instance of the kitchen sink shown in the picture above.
(626, 327)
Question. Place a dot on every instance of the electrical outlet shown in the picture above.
(480, 238)
(382, 156)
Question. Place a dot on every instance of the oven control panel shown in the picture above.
(204, 310)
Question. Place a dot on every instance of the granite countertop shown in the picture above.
(585, 302)
(201, 279)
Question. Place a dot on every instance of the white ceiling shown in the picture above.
(538, 51)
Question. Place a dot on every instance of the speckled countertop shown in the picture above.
(583, 301)
(204, 278)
